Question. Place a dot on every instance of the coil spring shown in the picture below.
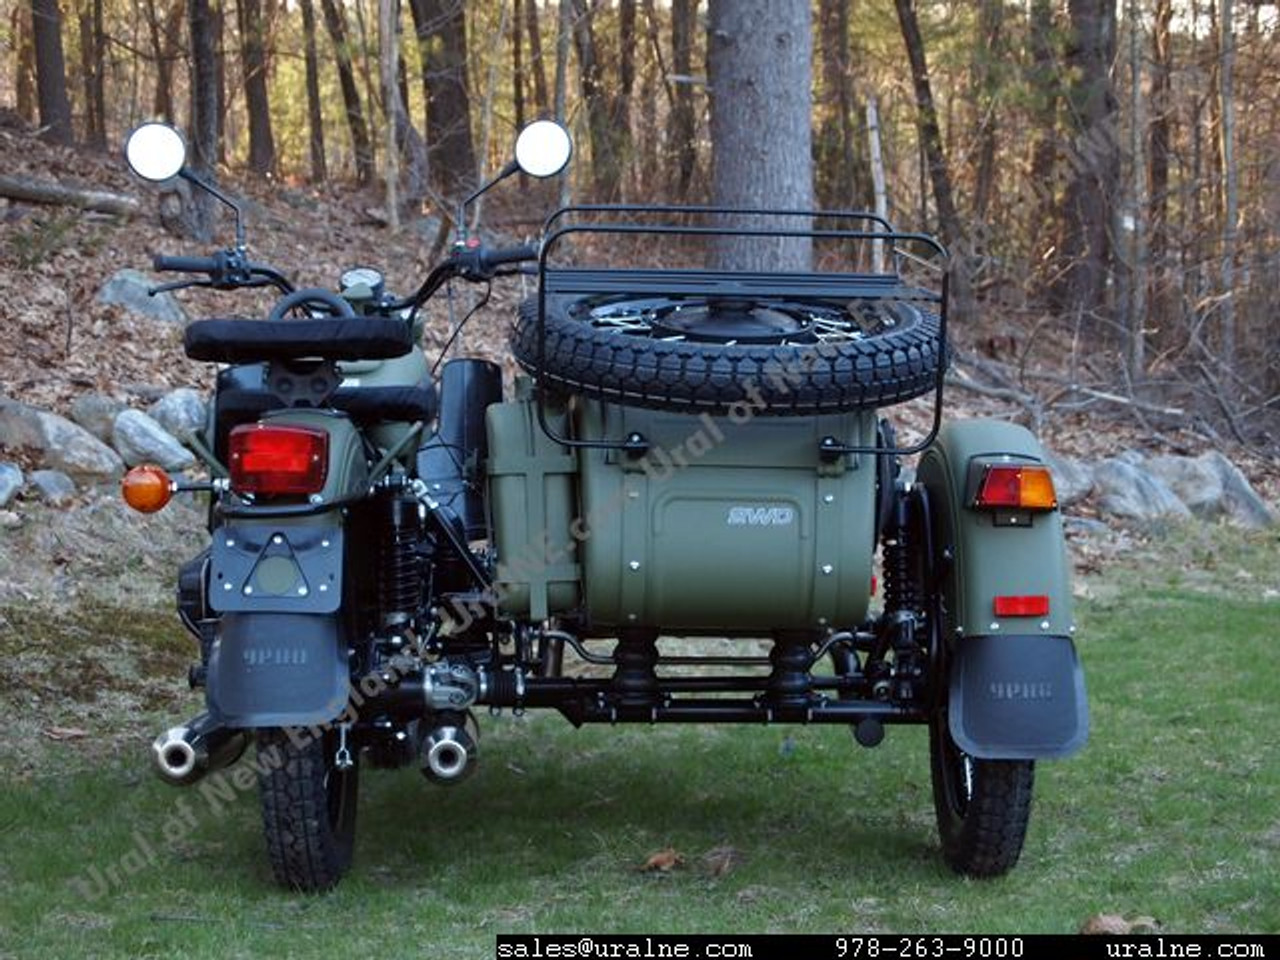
(899, 583)
(400, 583)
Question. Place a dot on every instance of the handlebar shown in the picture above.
(187, 264)
(491, 259)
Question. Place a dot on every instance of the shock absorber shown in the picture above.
(899, 584)
(400, 575)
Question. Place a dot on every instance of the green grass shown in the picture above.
(1172, 811)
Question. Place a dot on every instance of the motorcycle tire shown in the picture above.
(983, 806)
(308, 808)
(768, 356)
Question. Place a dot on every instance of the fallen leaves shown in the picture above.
(664, 861)
(64, 733)
(1113, 924)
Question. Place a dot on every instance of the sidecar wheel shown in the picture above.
(308, 809)
(778, 357)
(983, 806)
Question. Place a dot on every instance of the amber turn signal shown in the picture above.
(146, 488)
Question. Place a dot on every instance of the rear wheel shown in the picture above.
(308, 808)
(983, 806)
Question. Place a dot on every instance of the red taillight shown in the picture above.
(1022, 606)
(1016, 488)
(271, 461)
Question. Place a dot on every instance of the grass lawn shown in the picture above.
(1172, 812)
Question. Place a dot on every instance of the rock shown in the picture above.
(1240, 499)
(55, 487)
(139, 439)
(1194, 481)
(1084, 527)
(11, 481)
(9, 520)
(181, 412)
(1072, 479)
(1129, 491)
(96, 413)
(128, 288)
(58, 443)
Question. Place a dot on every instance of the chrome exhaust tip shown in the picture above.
(184, 754)
(448, 754)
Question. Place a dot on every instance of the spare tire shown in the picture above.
(778, 356)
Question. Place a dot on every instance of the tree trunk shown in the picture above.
(218, 21)
(1042, 79)
(759, 66)
(1087, 211)
(253, 56)
(1158, 153)
(162, 102)
(564, 37)
(361, 146)
(683, 130)
(537, 63)
(92, 58)
(1230, 185)
(879, 188)
(953, 233)
(204, 115)
(517, 61)
(841, 171)
(985, 83)
(315, 119)
(25, 80)
(387, 57)
(51, 74)
(1139, 263)
(603, 121)
(442, 36)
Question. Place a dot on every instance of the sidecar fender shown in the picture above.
(1016, 690)
(277, 670)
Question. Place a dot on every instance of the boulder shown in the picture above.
(1129, 491)
(128, 288)
(139, 439)
(181, 412)
(1194, 481)
(96, 413)
(1241, 501)
(1072, 479)
(11, 481)
(57, 443)
(54, 486)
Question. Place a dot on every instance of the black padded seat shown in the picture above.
(252, 341)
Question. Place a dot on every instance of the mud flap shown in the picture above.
(1017, 697)
(277, 670)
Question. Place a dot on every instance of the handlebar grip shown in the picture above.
(496, 258)
(186, 264)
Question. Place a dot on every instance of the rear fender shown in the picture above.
(1016, 690)
(277, 670)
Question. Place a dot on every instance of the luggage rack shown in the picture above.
(607, 219)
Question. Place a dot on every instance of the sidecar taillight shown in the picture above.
(271, 461)
(1016, 488)
(146, 488)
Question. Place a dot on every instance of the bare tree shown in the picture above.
(952, 228)
(51, 74)
(759, 65)
(92, 67)
(253, 57)
(441, 26)
(683, 129)
(537, 62)
(1158, 154)
(315, 119)
(985, 86)
(204, 116)
(1230, 181)
(361, 145)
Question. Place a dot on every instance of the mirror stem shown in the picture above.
(501, 175)
(191, 177)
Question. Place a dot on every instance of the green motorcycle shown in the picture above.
(691, 452)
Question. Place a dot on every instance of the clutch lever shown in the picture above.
(177, 285)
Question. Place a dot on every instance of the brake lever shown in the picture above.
(177, 285)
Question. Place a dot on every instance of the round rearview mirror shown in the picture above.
(543, 148)
(155, 152)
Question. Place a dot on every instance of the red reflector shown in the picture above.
(1022, 606)
(278, 460)
(1017, 488)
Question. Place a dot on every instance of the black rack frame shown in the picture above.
(678, 282)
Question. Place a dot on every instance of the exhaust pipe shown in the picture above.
(185, 754)
(448, 752)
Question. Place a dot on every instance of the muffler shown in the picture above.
(449, 751)
(185, 754)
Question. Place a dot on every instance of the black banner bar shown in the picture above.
(855, 946)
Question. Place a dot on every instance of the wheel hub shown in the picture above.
(740, 321)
